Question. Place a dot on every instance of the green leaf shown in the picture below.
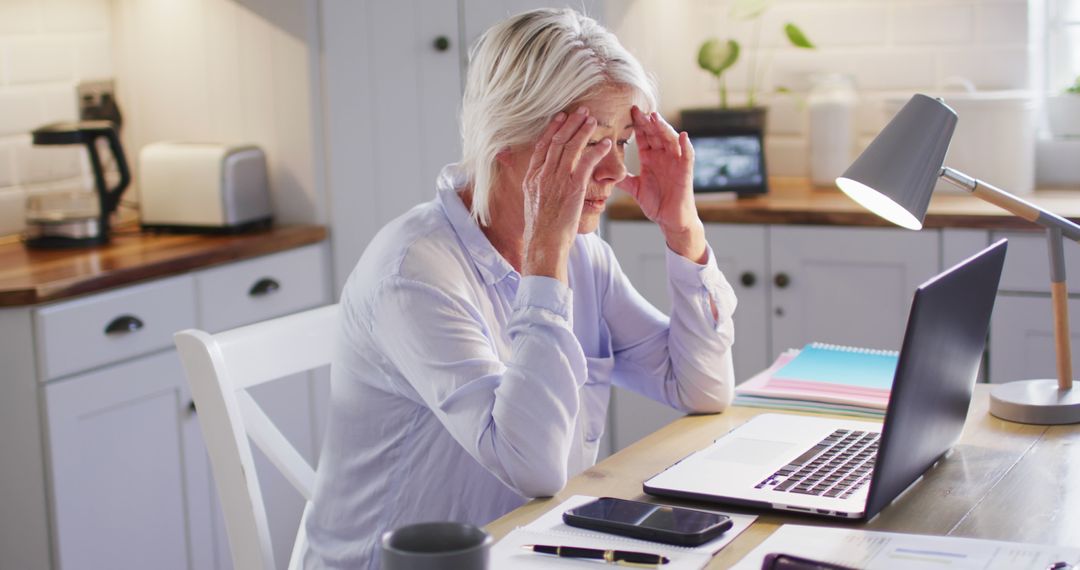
(716, 56)
(796, 36)
(749, 9)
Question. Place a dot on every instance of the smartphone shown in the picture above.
(660, 523)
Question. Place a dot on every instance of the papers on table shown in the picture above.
(550, 529)
(896, 551)
(824, 378)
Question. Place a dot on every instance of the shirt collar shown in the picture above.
(491, 264)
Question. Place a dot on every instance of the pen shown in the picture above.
(618, 557)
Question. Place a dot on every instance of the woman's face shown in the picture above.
(611, 107)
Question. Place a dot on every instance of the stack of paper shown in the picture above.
(896, 551)
(824, 378)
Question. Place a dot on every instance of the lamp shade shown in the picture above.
(895, 176)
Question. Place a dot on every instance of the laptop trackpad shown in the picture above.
(752, 451)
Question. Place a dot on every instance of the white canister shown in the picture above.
(994, 139)
(831, 109)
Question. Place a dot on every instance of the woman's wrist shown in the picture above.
(547, 260)
(688, 241)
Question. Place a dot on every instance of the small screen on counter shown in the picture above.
(728, 163)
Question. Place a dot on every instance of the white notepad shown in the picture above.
(898, 551)
(550, 529)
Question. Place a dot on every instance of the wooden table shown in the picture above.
(1002, 481)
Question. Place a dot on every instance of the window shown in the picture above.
(1062, 44)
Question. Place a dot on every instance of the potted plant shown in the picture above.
(1063, 112)
(727, 131)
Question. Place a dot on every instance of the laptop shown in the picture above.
(848, 468)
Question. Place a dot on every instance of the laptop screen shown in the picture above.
(939, 362)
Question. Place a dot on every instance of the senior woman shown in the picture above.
(482, 331)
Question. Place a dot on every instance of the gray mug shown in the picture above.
(436, 546)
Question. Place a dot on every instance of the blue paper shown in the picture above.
(842, 365)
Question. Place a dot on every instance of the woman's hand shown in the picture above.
(554, 187)
(665, 187)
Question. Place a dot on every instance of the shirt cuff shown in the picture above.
(686, 272)
(545, 293)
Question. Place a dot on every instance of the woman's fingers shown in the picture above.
(590, 157)
(561, 141)
(664, 132)
(641, 124)
(541, 149)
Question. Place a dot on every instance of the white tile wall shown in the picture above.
(46, 48)
(892, 48)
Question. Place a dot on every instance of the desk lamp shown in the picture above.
(894, 178)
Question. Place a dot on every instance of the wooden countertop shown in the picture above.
(795, 201)
(31, 276)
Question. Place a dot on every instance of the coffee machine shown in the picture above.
(76, 219)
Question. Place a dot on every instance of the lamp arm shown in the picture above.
(1057, 228)
(1011, 203)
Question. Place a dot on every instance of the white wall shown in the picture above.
(46, 48)
(225, 71)
(203, 70)
(890, 47)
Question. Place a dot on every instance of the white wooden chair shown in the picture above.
(220, 368)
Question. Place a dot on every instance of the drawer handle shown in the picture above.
(748, 279)
(782, 280)
(123, 324)
(264, 286)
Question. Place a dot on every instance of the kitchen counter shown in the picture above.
(31, 276)
(795, 201)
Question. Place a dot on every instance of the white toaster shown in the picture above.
(203, 187)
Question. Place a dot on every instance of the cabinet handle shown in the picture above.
(191, 407)
(782, 280)
(748, 279)
(264, 286)
(123, 324)
(441, 43)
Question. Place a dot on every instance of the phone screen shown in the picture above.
(681, 521)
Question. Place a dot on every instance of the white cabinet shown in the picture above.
(795, 284)
(117, 462)
(127, 483)
(1021, 328)
(846, 285)
(392, 78)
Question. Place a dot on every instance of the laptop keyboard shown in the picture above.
(836, 467)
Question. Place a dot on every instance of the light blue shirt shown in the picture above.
(461, 388)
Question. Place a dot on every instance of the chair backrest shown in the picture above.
(220, 368)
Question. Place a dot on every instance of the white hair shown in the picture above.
(522, 72)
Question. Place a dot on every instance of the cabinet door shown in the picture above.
(1022, 338)
(740, 254)
(391, 106)
(117, 464)
(846, 285)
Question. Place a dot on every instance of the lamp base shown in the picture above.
(1035, 402)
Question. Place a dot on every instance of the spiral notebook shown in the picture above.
(824, 378)
(550, 529)
(853, 368)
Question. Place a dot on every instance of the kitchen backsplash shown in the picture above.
(889, 48)
(46, 48)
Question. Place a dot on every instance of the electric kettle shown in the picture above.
(75, 219)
